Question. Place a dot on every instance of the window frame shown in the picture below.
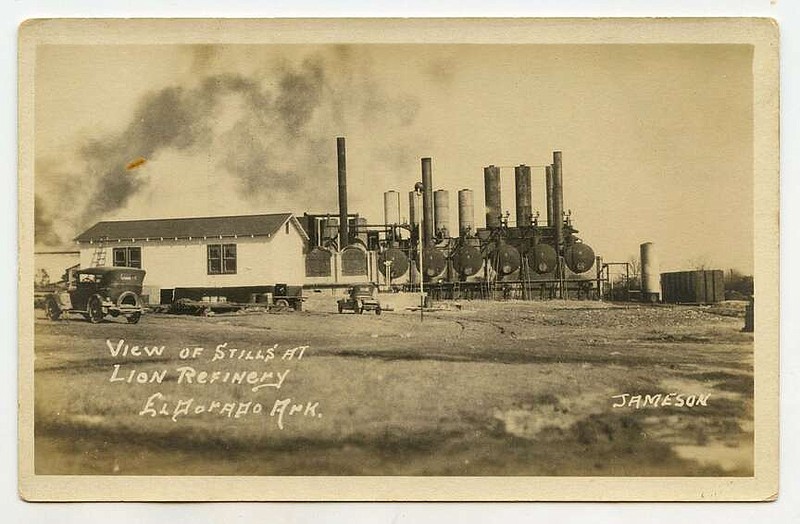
(126, 251)
(227, 263)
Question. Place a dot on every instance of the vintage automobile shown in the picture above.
(97, 292)
(360, 298)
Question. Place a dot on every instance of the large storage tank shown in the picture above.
(441, 213)
(398, 262)
(433, 261)
(651, 277)
(542, 258)
(391, 207)
(579, 257)
(693, 287)
(318, 262)
(466, 212)
(504, 258)
(354, 260)
(467, 260)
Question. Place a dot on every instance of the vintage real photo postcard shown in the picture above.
(484, 259)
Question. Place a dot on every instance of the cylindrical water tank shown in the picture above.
(466, 212)
(398, 262)
(441, 213)
(579, 257)
(391, 207)
(491, 187)
(651, 273)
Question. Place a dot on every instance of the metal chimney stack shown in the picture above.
(344, 231)
(522, 183)
(427, 201)
(491, 185)
(558, 200)
(548, 173)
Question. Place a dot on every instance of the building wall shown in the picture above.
(183, 263)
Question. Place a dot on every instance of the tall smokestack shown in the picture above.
(427, 201)
(558, 200)
(522, 183)
(491, 185)
(548, 173)
(344, 231)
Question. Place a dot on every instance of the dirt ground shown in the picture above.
(476, 388)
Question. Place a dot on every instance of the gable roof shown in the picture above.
(195, 227)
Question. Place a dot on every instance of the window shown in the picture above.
(128, 257)
(221, 259)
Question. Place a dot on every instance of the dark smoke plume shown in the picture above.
(278, 145)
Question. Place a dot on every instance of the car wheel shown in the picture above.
(52, 310)
(281, 303)
(133, 318)
(357, 308)
(95, 310)
(340, 307)
(378, 311)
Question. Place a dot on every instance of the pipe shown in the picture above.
(344, 232)
(522, 186)
(427, 201)
(558, 201)
(466, 213)
(491, 185)
(548, 173)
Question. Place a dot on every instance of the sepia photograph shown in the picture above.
(353, 253)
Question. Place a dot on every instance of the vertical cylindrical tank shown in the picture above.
(466, 213)
(441, 212)
(361, 230)
(522, 187)
(427, 201)
(491, 185)
(414, 208)
(391, 207)
(651, 273)
(548, 176)
(342, 169)
(558, 201)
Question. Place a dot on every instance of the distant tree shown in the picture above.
(737, 282)
(42, 279)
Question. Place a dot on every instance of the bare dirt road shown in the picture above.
(481, 388)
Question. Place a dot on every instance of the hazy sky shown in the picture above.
(656, 139)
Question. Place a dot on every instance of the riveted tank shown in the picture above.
(579, 257)
(504, 258)
(398, 259)
(433, 261)
(542, 258)
(467, 260)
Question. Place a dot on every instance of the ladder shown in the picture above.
(99, 255)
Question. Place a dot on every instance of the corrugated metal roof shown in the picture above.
(195, 227)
